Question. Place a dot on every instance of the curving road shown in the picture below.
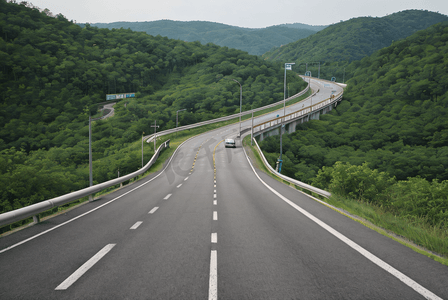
(210, 226)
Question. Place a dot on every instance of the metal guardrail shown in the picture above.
(226, 118)
(298, 113)
(35, 209)
(291, 180)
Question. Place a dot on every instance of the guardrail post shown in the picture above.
(36, 219)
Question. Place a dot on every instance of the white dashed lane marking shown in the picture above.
(84, 268)
(214, 238)
(167, 196)
(135, 226)
(153, 210)
(213, 279)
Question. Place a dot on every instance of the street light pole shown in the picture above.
(288, 66)
(252, 129)
(142, 150)
(90, 157)
(241, 98)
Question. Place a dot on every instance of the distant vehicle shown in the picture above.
(230, 143)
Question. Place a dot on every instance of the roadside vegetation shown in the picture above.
(386, 144)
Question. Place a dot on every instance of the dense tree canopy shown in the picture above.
(356, 38)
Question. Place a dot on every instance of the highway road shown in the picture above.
(211, 226)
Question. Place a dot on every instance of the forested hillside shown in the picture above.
(394, 119)
(355, 38)
(253, 40)
(339, 44)
(53, 72)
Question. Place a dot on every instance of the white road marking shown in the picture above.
(214, 238)
(84, 268)
(215, 216)
(186, 178)
(215, 202)
(213, 279)
(167, 196)
(214, 191)
(135, 226)
(153, 210)
(380, 263)
(214, 196)
(179, 185)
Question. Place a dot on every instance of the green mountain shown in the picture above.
(355, 38)
(254, 41)
(53, 73)
(394, 118)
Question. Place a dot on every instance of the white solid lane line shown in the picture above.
(153, 210)
(135, 226)
(167, 196)
(215, 216)
(84, 268)
(213, 279)
(376, 260)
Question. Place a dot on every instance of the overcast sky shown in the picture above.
(243, 13)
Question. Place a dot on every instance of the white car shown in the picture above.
(230, 143)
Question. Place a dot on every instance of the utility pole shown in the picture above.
(155, 131)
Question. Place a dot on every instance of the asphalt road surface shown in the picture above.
(211, 226)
